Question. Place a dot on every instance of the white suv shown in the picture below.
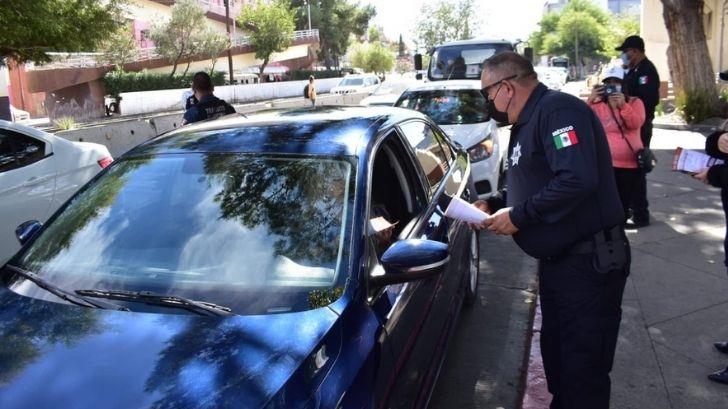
(459, 109)
(356, 83)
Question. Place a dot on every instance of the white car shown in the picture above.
(38, 173)
(459, 109)
(356, 83)
(19, 115)
(387, 93)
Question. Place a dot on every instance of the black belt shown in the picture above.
(587, 246)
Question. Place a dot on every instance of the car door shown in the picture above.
(416, 324)
(27, 185)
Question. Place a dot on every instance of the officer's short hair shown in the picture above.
(202, 82)
(509, 63)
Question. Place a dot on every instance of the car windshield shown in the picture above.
(447, 107)
(391, 88)
(351, 82)
(258, 234)
(462, 61)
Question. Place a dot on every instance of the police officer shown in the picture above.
(642, 81)
(209, 106)
(561, 206)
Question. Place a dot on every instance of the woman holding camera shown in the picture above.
(622, 117)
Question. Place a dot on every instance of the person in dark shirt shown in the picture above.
(561, 206)
(716, 145)
(643, 82)
(208, 106)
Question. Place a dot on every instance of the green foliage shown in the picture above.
(65, 123)
(31, 29)
(372, 58)
(723, 95)
(322, 298)
(374, 35)
(118, 81)
(444, 21)
(211, 45)
(269, 27)
(298, 75)
(177, 38)
(695, 106)
(336, 20)
(120, 48)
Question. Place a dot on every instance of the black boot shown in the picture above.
(720, 376)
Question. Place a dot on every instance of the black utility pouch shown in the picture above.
(610, 255)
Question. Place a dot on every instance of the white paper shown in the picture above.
(379, 224)
(690, 161)
(459, 209)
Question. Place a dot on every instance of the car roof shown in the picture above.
(28, 130)
(330, 130)
(475, 41)
(359, 75)
(447, 84)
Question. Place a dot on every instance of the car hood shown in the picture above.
(57, 355)
(388, 99)
(470, 134)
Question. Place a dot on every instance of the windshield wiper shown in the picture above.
(199, 307)
(64, 294)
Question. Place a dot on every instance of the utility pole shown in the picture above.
(308, 5)
(576, 46)
(229, 51)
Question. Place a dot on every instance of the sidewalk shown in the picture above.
(676, 299)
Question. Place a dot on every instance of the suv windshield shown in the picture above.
(447, 107)
(258, 234)
(457, 62)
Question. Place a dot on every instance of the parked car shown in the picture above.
(237, 263)
(459, 109)
(38, 172)
(18, 115)
(356, 83)
(387, 93)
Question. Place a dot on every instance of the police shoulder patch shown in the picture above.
(565, 137)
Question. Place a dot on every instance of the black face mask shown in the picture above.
(499, 116)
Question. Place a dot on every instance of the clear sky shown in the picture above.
(508, 19)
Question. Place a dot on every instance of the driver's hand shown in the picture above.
(485, 207)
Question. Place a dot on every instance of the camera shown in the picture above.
(610, 89)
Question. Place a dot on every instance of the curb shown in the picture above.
(536, 394)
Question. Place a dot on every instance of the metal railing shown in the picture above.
(92, 60)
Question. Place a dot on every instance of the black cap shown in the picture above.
(724, 75)
(632, 42)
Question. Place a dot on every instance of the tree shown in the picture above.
(269, 27)
(120, 48)
(372, 58)
(444, 21)
(211, 45)
(401, 47)
(691, 69)
(177, 38)
(31, 29)
(336, 20)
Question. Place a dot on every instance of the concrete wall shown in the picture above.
(121, 135)
(138, 103)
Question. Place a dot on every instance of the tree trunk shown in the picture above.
(187, 68)
(688, 58)
(262, 67)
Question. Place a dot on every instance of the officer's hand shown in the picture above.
(723, 143)
(702, 175)
(500, 222)
(596, 94)
(617, 100)
(485, 207)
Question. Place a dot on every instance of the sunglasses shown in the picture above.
(485, 91)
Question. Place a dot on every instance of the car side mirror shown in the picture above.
(418, 76)
(418, 61)
(27, 231)
(412, 260)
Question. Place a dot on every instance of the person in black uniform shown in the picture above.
(562, 207)
(208, 105)
(643, 82)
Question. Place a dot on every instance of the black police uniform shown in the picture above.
(560, 185)
(208, 107)
(643, 82)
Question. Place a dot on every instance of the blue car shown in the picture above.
(290, 259)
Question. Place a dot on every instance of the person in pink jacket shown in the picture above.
(622, 117)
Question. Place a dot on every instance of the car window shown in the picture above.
(259, 234)
(351, 82)
(18, 150)
(447, 107)
(430, 154)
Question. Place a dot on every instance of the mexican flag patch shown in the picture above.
(643, 80)
(565, 137)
